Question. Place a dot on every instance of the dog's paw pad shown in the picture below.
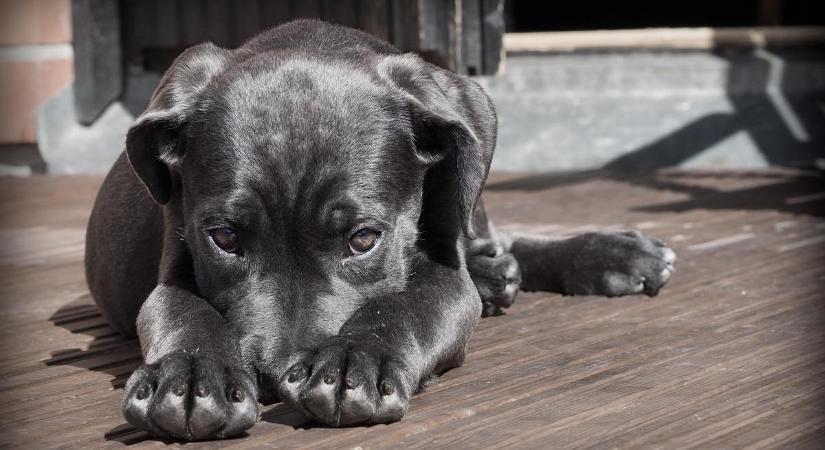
(496, 276)
(190, 397)
(347, 382)
(668, 255)
(649, 261)
(665, 274)
(616, 264)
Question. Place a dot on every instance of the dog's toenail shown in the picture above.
(329, 378)
(179, 390)
(142, 392)
(237, 395)
(202, 391)
(351, 383)
(386, 388)
(668, 255)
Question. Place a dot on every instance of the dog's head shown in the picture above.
(303, 186)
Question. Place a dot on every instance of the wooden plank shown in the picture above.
(342, 12)
(492, 34)
(166, 23)
(405, 24)
(248, 20)
(274, 12)
(138, 29)
(374, 17)
(438, 33)
(471, 61)
(217, 22)
(192, 22)
(728, 356)
(305, 8)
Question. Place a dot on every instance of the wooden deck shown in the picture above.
(731, 354)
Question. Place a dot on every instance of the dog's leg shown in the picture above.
(611, 264)
(193, 384)
(494, 271)
(386, 350)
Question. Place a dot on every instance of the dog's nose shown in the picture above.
(268, 395)
(268, 388)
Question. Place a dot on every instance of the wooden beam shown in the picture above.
(342, 12)
(374, 17)
(492, 32)
(472, 60)
(437, 32)
(248, 20)
(663, 38)
(97, 57)
(405, 24)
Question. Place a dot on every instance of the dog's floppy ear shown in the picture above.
(153, 142)
(453, 121)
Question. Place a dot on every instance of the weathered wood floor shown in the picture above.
(730, 355)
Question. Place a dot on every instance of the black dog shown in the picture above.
(299, 220)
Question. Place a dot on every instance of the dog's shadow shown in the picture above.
(108, 352)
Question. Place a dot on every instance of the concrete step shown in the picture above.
(629, 109)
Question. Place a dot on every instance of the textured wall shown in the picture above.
(35, 62)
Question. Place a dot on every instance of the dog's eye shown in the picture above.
(226, 239)
(363, 241)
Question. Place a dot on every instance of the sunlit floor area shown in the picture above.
(731, 354)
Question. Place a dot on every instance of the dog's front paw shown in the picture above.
(615, 264)
(496, 275)
(348, 381)
(190, 396)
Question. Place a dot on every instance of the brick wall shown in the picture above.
(35, 62)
